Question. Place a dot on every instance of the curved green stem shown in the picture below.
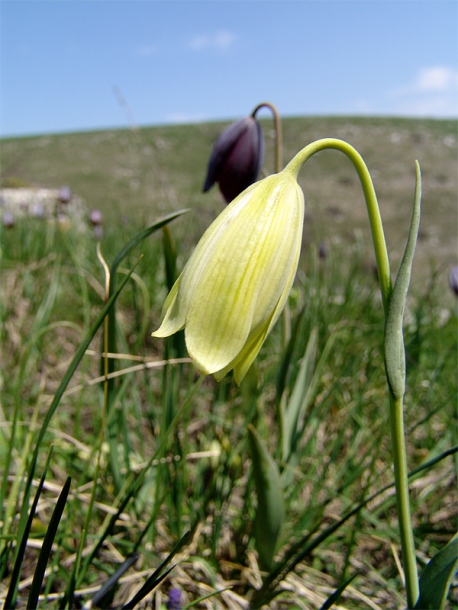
(396, 401)
(278, 133)
(375, 220)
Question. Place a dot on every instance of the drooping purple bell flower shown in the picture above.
(236, 158)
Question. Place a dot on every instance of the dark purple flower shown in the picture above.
(236, 158)
(174, 602)
(453, 279)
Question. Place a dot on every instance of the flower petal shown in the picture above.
(246, 261)
(222, 149)
(246, 357)
(174, 316)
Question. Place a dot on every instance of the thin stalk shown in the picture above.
(396, 402)
(402, 500)
(278, 133)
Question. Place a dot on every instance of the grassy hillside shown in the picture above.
(135, 176)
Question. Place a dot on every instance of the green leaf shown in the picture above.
(436, 578)
(394, 340)
(143, 234)
(298, 401)
(270, 511)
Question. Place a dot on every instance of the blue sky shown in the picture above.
(73, 65)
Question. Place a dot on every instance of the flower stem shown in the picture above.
(396, 402)
(278, 133)
(375, 220)
(402, 500)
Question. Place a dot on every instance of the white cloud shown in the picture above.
(432, 92)
(220, 41)
(437, 78)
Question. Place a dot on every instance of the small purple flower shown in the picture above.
(64, 194)
(8, 219)
(95, 216)
(453, 279)
(236, 158)
(174, 602)
(36, 210)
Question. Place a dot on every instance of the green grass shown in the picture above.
(171, 464)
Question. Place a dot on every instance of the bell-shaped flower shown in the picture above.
(236, 283)
(236, 158)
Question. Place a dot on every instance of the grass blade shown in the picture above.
(337, 593)
(156, 577)
(111, 582)
(47, 545)
(12, 590)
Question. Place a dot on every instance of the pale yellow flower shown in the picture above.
(237, 281)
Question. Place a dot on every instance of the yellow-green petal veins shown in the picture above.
(238, 278)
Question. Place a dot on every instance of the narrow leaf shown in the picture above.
(158, 224)
(111, 582)
(297, 403)
(437, 576)
(394, 341)
(337, 593)
(47, 545)
(287, 356)
(270, 511)
(156, 577)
